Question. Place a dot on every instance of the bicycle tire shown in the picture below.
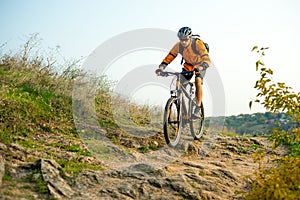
(172, 122)
(197, 125)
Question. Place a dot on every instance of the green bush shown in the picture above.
(282, 180)
(279, 182)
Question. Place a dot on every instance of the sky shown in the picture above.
(231, 28)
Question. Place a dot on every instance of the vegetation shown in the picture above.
(36, 109)
(281, 181)
(258, 123)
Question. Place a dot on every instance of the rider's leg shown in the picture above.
(198, 84)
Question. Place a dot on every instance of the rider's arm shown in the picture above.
(200, 47)
(171, 55)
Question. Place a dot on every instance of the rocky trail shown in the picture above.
(222, 172)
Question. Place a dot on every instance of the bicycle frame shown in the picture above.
(182, 92)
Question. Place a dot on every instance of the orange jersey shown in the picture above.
(192, 60)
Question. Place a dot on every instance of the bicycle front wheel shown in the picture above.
(197, 124)
(172, 122)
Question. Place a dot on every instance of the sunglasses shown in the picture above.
(184, 40)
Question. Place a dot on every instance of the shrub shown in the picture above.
(282, 180)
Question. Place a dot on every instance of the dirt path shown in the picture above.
(216, 167)
(207, 170)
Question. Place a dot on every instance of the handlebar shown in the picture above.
(185, 73)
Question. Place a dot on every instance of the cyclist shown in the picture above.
(197, 61)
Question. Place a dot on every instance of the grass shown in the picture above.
(255, 146)
(40, 184)
(201, 174)
(242, 150)
(34, 100)
(22, 188)
(294, 149)
(193, 184)
(144, 149)
(76, 148)
(6, 176)
(74, 167)
(36, 113)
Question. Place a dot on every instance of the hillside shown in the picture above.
(257, 123)
(43, 157)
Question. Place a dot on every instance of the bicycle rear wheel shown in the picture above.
(172, 122)
(197, 124)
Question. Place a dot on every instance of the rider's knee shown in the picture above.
(198, 80)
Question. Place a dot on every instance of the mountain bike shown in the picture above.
(179, 110)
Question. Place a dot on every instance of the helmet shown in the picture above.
(184, 32)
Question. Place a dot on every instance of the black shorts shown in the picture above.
(190, 76)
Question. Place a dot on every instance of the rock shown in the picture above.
(155, 143)
(232, 148)
(88, 179)
(2, 169)
(219, 164)
(228, 174)
(146, 169)
(128, 173)
(19, 152)
(226, 154)
(21, 171)
(193, 148)
(156, 182)
(193, 165)
(3, 147)
(200, 180)
(57, 186)
(128, 190)
(255, 141)
(184, 189)
(17, 147)
(91, 160)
